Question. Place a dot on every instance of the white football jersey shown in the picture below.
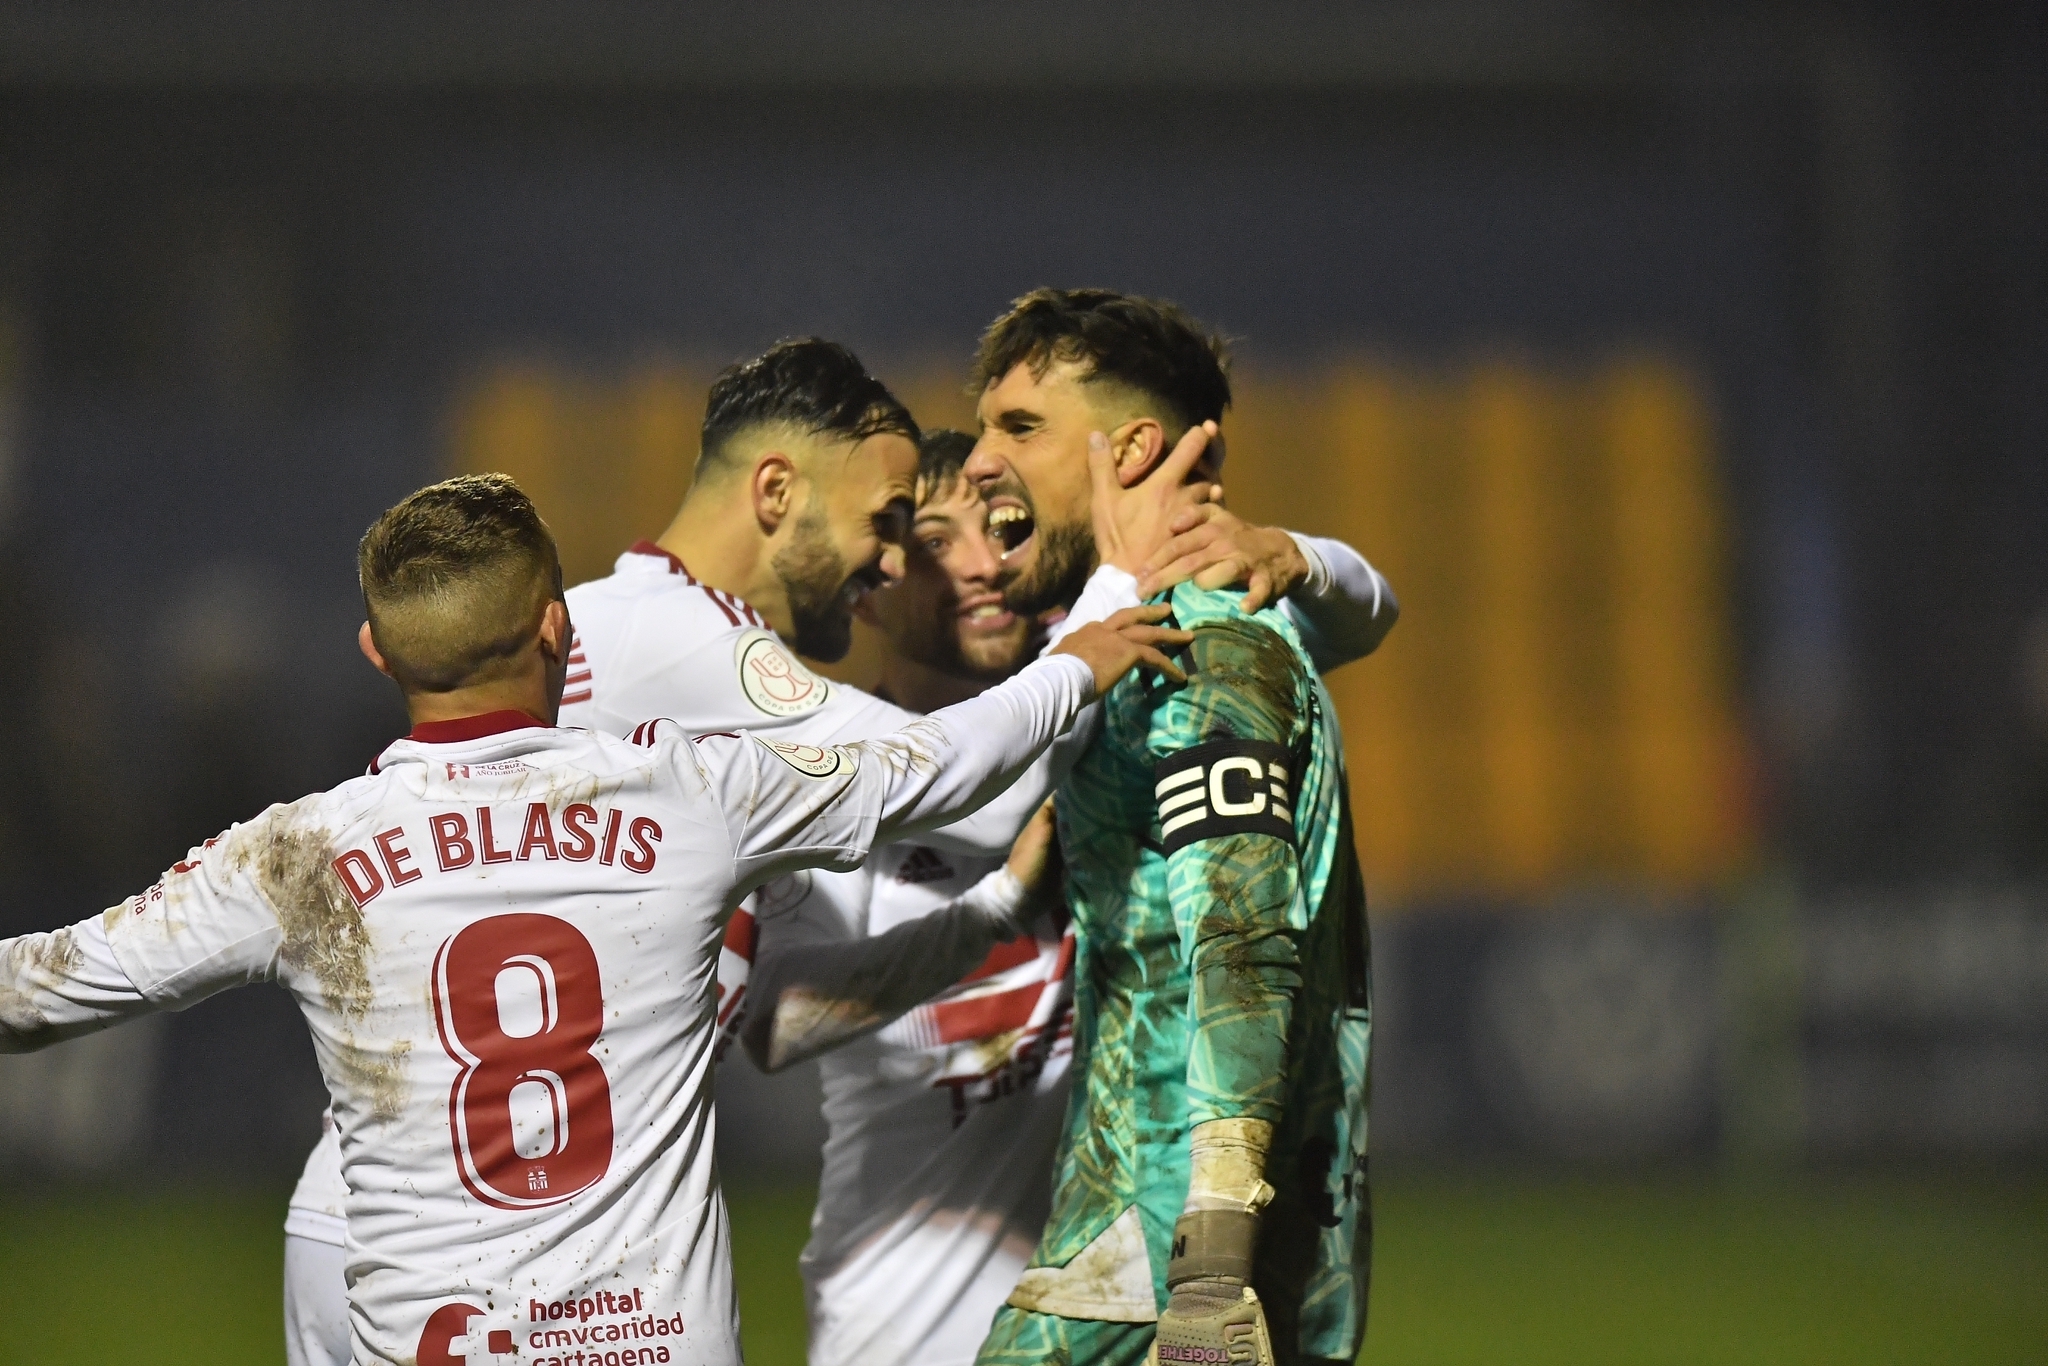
(504, 941)
(653, 642)
(942, 1127)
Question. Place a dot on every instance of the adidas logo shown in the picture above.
(923, 865)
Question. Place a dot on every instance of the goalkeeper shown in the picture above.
(1211, 1185)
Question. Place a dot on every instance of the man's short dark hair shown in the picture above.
(941, 455)
(816, 386)
(1148, 345)
(455, 578)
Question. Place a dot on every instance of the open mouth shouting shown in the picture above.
(1010, 523)
(1043, 566)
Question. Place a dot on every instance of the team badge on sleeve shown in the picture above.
(773, 679)
(808, 760)
(1224, 787)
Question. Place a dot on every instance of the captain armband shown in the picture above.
(1224, 787)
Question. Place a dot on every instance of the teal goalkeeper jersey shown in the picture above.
(1222, 970)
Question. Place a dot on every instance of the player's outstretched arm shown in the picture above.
(792, 806)
(203, 928)
(989, 830)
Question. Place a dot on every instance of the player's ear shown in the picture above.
(367, 643)
(1138, 446)
(774, 489)
(554, 630)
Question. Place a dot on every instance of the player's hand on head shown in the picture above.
(1132, 521)
(1125, 641)
(1218, 549)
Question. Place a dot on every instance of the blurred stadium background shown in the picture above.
(1681, 365)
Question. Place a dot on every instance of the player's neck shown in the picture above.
(721, 545)
(918, 687)
(523, 695)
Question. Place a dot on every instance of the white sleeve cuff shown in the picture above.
(999, 900)
(1317, 584)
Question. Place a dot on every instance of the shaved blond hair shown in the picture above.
(455, 580)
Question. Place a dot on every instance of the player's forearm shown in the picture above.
(990, 832)
(796, 806)
(1234, 898)
(955, 761)
(1241, 1001)
(60, 985)
(1344, 608)
(809, 998)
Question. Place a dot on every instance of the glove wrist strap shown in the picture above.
(1211, 1243)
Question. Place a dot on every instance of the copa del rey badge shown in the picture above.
(772, 678)
(807, 759)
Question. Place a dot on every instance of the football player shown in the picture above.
(1210, 1201)
(944, 1108)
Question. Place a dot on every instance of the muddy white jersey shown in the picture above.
(941, 1127)
(653, 642)
(504, 941)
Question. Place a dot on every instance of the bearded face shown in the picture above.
(820, 589)
(1031, 463)
(1052, 558)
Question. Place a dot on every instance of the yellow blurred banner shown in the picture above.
(1555, 710)
(605, 460)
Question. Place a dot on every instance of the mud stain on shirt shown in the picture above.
(325, 938)
(379, 1076)
(1246, 683)
(324, 934)
(911, 752)
(804, 1019)
(570, 786)
(33, 960)
(1249, 898)
(920, 743)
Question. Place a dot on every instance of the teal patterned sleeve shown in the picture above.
(1222, 749)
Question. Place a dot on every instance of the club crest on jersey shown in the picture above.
(773, 679)
(808, 760)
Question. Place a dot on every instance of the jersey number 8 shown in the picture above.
(519, 1006)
